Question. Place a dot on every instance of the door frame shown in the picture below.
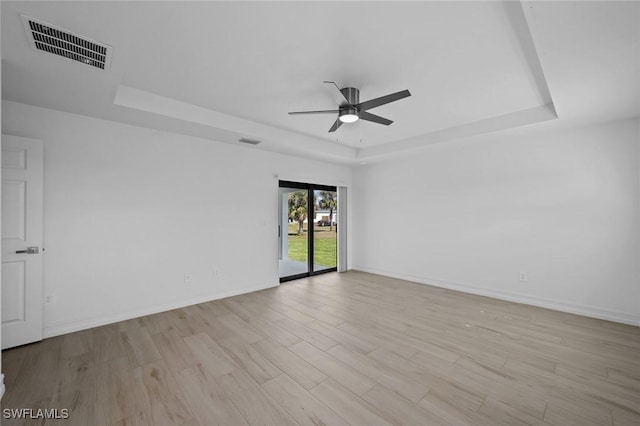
(310, 188)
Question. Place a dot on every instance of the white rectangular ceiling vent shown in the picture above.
(61, 42)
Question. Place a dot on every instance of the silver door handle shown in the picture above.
(29, 250)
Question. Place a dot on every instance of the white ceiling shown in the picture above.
(224, 70)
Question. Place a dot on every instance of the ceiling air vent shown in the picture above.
(61, 42)
(249, 141)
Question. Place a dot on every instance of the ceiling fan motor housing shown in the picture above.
(351, 94)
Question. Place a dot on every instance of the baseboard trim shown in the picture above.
(588, 311)
(66, 327)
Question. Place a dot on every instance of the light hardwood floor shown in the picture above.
(337, 349)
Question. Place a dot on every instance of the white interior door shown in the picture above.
(22, 223)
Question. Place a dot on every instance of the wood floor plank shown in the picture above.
(217, 330)
(624, 417)
(398, 410)
(236, 308)
(411, 390)
(161, 397)
(115, 396)
(206, 400)
(366, 314)
(253, 402)
(276, 333)
(569, 395)
(290, 297)
(351, 379)
(108, 343)
(425, 342)
(445, 405)
(474, 343)
(156, 323)
(75, 387)
(135, 420)
(141, 347)
(317, 294)
(456, 395)
(501, 413)
(300, 370)
(347, 405)
(77, 344)
(249, 359)
(188, 325)
(518, 397)
(359, 344)
(628, 380)
(307, 334)
(173, 350)
(404, 367)
(377, 339)
(293, 314)
(215, 308)
(261, 310)
(619, 393)
(318, 314)
(209, 354)
(558, 416)
(300, 404)
(240, 328)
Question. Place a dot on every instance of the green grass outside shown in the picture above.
(324, 245)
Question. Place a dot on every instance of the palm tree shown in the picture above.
(328, 200)
(298, 208)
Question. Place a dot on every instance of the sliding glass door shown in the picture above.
(308, 229)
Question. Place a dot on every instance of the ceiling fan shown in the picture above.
(352, 110)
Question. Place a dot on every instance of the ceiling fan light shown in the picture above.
(348, 115)
(348, 118)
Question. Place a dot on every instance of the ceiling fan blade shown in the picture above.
(340, 91)
(375, 118)
(335, 126)
(363, 106)
(327, 111)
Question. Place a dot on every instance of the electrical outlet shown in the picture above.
(187, 278)
(216, 272)
(523, 276)
(50, 299)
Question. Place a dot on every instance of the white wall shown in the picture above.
(563, 207)
(129, 211)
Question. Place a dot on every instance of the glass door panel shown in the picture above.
(325, 230)
(294, 232)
